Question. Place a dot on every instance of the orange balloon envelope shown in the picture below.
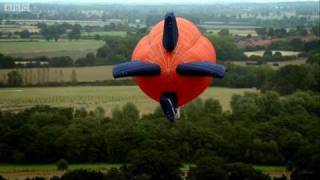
(173, 64)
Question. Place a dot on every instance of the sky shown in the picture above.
(152, 1)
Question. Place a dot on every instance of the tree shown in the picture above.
(24, 34)
(154, 164)
(208, 168)
(62, 164)
(314, 58)
(75, 32)
(316, 30)
(14, 78)
(224, 32)
(74, 76)
(82, 174)
(277, 56)
(290, 78)
(261, 31)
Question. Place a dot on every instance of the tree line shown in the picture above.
(261, 129)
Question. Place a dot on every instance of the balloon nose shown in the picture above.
(170, 32)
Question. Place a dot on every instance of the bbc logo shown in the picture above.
(17, 7)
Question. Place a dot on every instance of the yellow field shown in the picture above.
(91, 97)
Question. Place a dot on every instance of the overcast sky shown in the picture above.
(151, 1)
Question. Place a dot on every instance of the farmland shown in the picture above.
(83, 74)
(108, 97)
(75, 49)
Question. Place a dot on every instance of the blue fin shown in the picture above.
(201, 69)
(135, 68)
(168, 102)
(170, 32)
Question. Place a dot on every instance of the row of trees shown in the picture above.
(57, 30)
(260, 129)
(283, 32)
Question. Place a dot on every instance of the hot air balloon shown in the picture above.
(173, 64)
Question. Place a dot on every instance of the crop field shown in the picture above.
(90, 97)
(43, 75)
(260, 53)
(75, 49)
(104, 33)
(12, 171)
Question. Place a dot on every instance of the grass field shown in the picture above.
(260, 53)
(13, 171)
(75, 49)
(105, 33)
(90, 97)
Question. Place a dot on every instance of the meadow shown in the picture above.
(90, 97)
(74, 49)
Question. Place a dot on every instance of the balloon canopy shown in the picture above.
(173, 64)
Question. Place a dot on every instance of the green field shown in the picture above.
(91, 97)
(75, 49)
(104, 33)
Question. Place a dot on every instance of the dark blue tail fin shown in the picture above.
(170, 32)
(135, 68)
(201, 69)
(168, 103)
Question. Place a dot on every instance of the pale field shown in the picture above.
(43, 75)
(90, 97)
(260, 53)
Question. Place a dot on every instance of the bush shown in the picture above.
(82, 174)
(36, 178)
(114, 174)
(154, 164)
(208, 168)
(62, 164)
